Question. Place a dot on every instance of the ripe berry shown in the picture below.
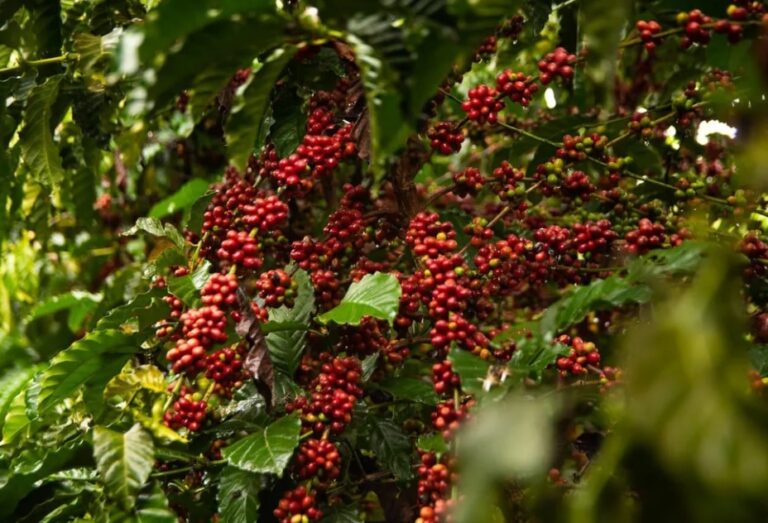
(482, 104)
(186, 412)
(318, 458)
(220, 290)
(518, 87)
(558, 63)
(276, 288)
(297, 506)
(468, 182)
(445, 138)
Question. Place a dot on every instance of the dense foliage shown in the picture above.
(406, 260)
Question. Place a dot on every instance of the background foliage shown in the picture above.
(126, 120)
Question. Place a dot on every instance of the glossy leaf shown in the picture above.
(124, 461)
(375, 295)
(38, 147)
(80, 363)
(182, 199)
(391, 446)
(239, 495)
(267, 451)
(248, 118)
(286, 346)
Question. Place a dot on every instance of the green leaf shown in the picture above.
(285, 346)
(79, 303)
(175, 19)
(38, 148)
(248, 118)
(156, 228)
(533, 355)
(124, 461)
(343, 514)
(410, 389)
(13, 383)
(182, 199)
(224, 45)
(290, 124)
(472, 370)
(268, 451)
(152, 507)
(283, 326)
(368, 365)
(147, 308)
(386, 126)
(239, 495)
(187, 288)
(601, 26)
(375, 295)
(432, 443)
(610, 292)
(16, 419)
(391, 446)
(81, 362)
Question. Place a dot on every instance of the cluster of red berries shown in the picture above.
(468, 182)
(265, 214)
(696, 32)
(298, 506)
(482, 104)
(225, 367)
(519, 87)
(648, 34)
(220, 290)
(581, 356)
(756, 250)
(558, 63)
(447, 418)
(276, 288)
(435, 478)
(200, 329)
(364, 339)
(641, 124)
(241, 249)
(577, 148)
(318, 458)
(186, 412)
(444, 380)
(428, 236)
(508, 178)
(647, 236)
(593, 237)
(445, 137)
(457, 329)
(334, 394)
(577, 184)
(163, 327)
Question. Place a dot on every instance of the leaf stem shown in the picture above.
(41, 62)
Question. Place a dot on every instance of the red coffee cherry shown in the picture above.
(445, 138)
(276, 288)
(558, 63)
(318, 458)
(518, 87)
(297, 506)
(482, 104)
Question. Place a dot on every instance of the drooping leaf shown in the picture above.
(391, 446)
(224, 45)
(12, 383)
(156, 228)
(124, 461)
(176, 19)
(343, 514)
(375, 295)
(471, 369)
(182, 199)
(410, 389)
(285, 347)
(187, 288)
(239, 495)
(81, 362)
(79, 303)
(147, 308)
(38, 147)
(152, 507)
(432, 443)
(247, 118)
(267, 451)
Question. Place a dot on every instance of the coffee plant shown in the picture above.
(404, 261)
